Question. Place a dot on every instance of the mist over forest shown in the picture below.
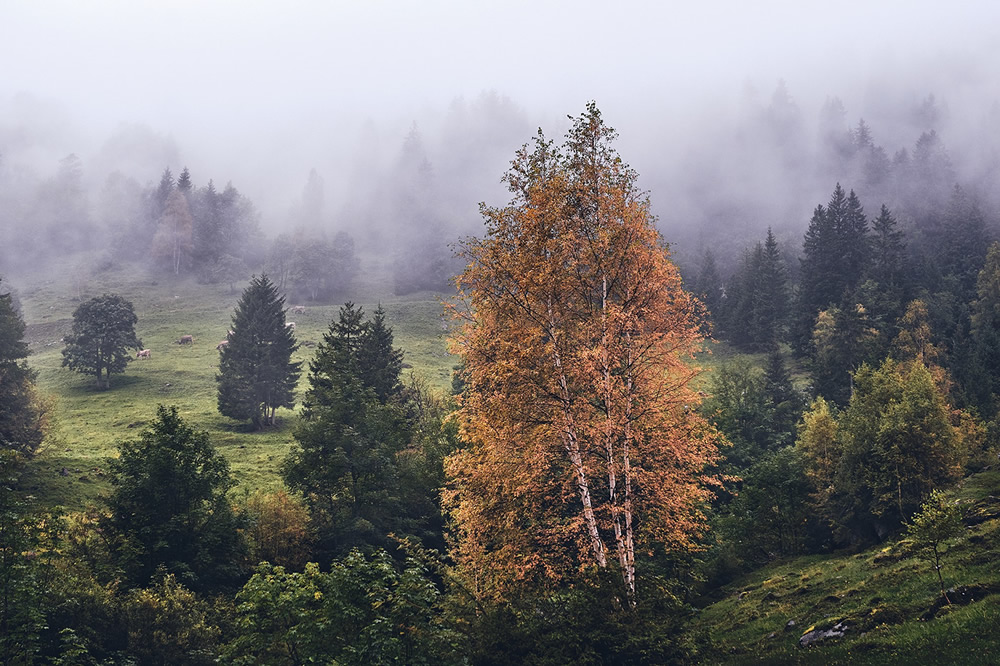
(499, 333)
(731, 131)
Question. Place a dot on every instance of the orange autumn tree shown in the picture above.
(584, 445)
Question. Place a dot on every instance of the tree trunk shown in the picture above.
(572, 446)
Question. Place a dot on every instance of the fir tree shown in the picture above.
(22, 413)
(256, 373)
(887, 250)
(380, 364)
(345, 462)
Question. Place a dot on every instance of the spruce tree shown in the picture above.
(345, 462)
(21, 410)
(256, 373)
(887, 250)
(380, 364)
(709, 286)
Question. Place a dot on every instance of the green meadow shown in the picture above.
(87, 423)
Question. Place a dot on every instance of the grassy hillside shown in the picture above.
(887, 597)
(69, 470)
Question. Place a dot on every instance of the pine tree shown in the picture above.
(256, 373)
(184, 183)
(709, 286)
(785, 402)
(345, 461)
(835, 256)
(380, 364)
(162, 193)
(887, 250)
(22, 413)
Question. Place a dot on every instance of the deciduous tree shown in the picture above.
(173, 240)
(169, 507)
(102, 338)
(585, 447)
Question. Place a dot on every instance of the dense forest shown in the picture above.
(584, 493)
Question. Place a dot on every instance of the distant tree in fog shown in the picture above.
(322, 268)
(184, 182)
(173, 240)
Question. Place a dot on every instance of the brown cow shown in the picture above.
(299, 309)
(186, 340)
(290, 325)
(144, 353)
(222, 345)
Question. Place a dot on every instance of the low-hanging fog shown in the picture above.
(392, 120)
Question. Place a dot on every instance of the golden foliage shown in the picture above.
(577, 340)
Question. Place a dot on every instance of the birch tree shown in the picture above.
(584, 445)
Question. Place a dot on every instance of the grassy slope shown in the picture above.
(883, 594)
(90, 422)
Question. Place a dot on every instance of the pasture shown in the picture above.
(69, 470)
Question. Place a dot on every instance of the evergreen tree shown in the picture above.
(852, 232)
(709, 286)
(22, 413)
(785, 402)
(163, 191)
(758, 297)
(101, 339)
(256, 373)
(978, 368)
(964, 242)
(168, 507)
(184, 183)
(208, 240)
(887, 250)
(835, 252)
(173, 240)
(345, 459)
(379, 363)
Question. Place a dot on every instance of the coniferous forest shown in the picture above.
(740, 405)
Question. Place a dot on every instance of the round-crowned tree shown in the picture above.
(169, 509)
(256, 371)
(101, 339)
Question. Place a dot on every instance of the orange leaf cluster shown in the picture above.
(584, 446)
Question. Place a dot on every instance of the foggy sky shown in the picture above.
(260, 92)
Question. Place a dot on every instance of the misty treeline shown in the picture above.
(885, 311)
(404, 200)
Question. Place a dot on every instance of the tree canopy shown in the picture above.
(168, 506)
(22, 411)
(101, 339)
(256, 373)
(584, 448)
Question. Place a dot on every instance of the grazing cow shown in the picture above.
(222, 345)
(186, 340)
(144, 353)
(299, 309)
(290, 325)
